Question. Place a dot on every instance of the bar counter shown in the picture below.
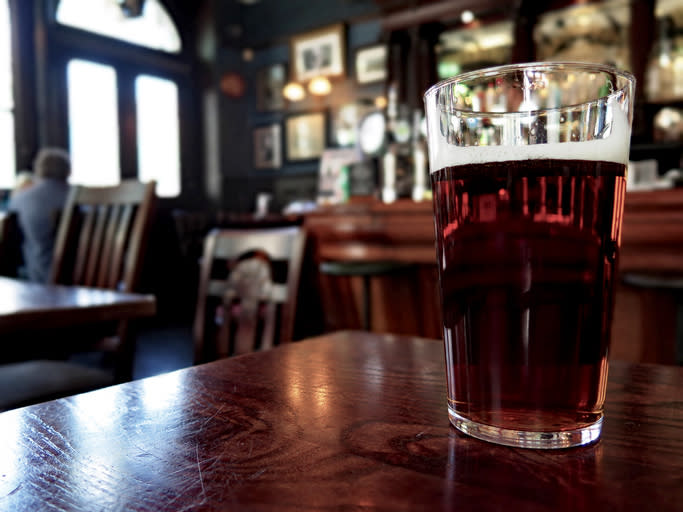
(407, 302)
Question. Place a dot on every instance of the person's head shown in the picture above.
(52, 163)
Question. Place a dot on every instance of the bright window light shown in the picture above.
(93, 124)
(154, 28)
(7, 159)
(158, 133)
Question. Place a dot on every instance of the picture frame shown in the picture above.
(269, 84)
(268, 147)
(305, 136)
(370, 64)
(318, 53)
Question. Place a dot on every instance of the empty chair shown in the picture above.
(247, 290)
(102, 236)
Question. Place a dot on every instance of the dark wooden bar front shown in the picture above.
(404, 301)
(407, 301)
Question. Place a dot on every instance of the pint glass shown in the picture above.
(528, 166)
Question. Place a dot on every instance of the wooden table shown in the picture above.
(349, 421)
(25, 305)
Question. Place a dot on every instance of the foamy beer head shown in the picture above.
(530, 111)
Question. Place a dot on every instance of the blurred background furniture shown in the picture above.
(648, 316)
(50, 314)
(10, 244)
(366, 271)
(377, 267)
(248, 287)
(101, 242)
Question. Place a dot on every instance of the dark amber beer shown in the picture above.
(527, 241)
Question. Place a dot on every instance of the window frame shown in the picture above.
(64, 43)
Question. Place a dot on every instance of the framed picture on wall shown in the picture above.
(371, 64)
(267, 147)
(305, 136)
(269, 84)
(318, 53)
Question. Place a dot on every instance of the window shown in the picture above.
(7, 144)
(154, 28)
(158, 133)
(93, 123)
(123, 114)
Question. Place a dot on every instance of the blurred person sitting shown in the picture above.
(38, 207)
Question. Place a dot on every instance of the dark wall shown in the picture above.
(273, 20)
(265, 28)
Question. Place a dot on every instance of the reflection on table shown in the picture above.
(25, 305)
(350, 420)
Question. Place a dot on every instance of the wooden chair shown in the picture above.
(102, 236)
(100, 243)
(247, 290)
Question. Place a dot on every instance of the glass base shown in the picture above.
(527, 439)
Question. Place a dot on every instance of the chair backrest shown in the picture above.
(248, 287)
(102, 236)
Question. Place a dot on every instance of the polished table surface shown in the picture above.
(349, 421)
(25, 305)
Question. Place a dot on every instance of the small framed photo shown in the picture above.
(371, 64)
(269, 84)
(318, 53)
(305, 136)
(268, 147)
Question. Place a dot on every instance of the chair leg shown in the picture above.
(125, 353)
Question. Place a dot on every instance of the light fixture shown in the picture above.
(320, 86)
(247, 55)
(293, 91)
(380, 101)
(467, 16)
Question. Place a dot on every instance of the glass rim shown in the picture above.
(549, 66)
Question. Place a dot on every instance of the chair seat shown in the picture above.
(654, 281)
(31, 382)
(361, 268)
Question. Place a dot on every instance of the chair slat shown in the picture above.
(269, 320)
(108, 246)
(84, 245)
(96, 245)
(246, 316)
(120, 240)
